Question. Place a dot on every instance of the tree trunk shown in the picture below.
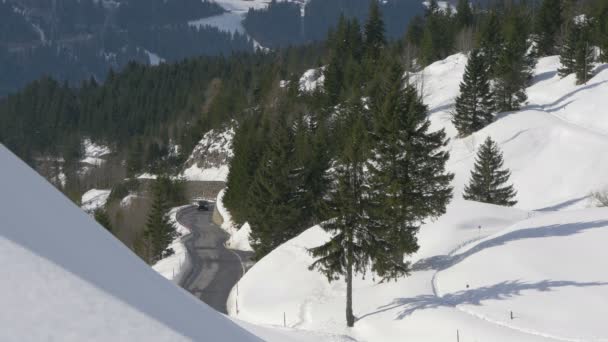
(350, 318)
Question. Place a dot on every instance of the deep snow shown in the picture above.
(541, 260)
(68, 279)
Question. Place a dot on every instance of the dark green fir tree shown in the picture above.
(160, 232)
(474, 105)
(576, 55)
(584, 55)
(351, 248)
(491, 40)
(374, 32)
(489, 179)
(408, 183)
(515, 65)
(464, 14)
(273, 214)
(567, 56)
(548, 23)
(102, 217)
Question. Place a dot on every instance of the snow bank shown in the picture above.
(94, 199)
(175, 266)
(68, 279)
(239, 238)
(195, 173)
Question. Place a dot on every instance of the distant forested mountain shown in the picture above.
(74, 40)
(282, 23)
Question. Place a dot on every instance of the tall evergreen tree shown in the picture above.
(101, 216)
(474, 105)
(548, 25)
(464, 14)
(567, 56)
(273, 214)
(309, 173)
(577, 52)
(515, 65)
(489, 180)
(160, 232)
(351, 248)
(491, 40)
(584, 56)
(408, 182)
(374, 31)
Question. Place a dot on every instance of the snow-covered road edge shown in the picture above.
(178, 264)
(239, 238)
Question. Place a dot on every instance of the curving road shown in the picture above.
(215, 269)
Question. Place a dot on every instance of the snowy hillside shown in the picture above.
(210, 158)
(68, 279)
(486, 273)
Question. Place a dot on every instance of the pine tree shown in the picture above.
(374, 31)
(273, 214)
(376, 214)
(515, 65)
(583, 57)
(408, 182)
(308, 174)
(491, 40)
(464, 14)
(101, 216)
(577, 52)
(567, 55)
(348, 251)
(474, 105)
(602, 32)
(488, 178)
(160, 232)
(548, 25)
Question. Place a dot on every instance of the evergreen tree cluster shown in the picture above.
(286, 23)
(75, 40)
(380, 178)
(160, 232)
(576, 55)
(142, 111)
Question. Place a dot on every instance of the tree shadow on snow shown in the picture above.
(500, 291)
(442, 262)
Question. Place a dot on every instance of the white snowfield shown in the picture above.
(67, 279)
(483, 272)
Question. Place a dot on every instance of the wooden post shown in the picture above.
(457, 335)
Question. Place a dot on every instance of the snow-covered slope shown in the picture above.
(210, 158)
(94, 199)
(486, 273)
(551, 146)
(67, 279)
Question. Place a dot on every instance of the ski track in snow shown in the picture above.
(437, 293)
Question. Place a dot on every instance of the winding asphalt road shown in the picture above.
(215, 269)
